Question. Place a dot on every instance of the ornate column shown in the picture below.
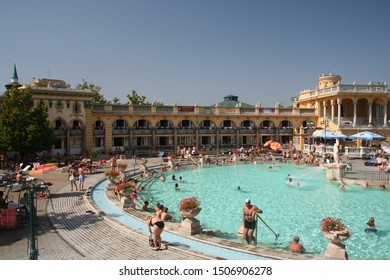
(354, 113)
(370, 114)
(339, 112)
(324, 109)
(332, 110)
(385, 115)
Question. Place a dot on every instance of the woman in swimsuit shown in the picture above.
(158, 227)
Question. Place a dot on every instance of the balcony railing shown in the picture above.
(76, 132)
(267, 130)
(119, 131)
(59, 132)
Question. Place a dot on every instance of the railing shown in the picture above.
(353, 89)
(372, 176)
(146, 109)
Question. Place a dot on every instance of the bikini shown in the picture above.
(159, 224)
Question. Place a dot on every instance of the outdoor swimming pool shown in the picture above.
(288, 210)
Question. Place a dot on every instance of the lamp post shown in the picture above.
(310, 125)
(30, 186)
(325, 122)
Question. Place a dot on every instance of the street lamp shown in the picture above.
(325, 122)
(30, 186)
(310, 125)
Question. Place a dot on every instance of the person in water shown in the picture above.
(248, 220)
(295, 247)
(371, 225)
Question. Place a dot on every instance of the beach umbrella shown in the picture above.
(385, 147)
(268, 143)
(275, 146)
(328, 134)
(366, 135)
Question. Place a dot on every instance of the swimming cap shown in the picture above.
(248, 200)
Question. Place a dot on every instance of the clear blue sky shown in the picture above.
(196, 51)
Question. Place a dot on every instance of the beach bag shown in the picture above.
(71, 177)
(151, 242)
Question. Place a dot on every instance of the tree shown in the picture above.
(98, 98)
(136, 99)
(115, 100)
(24, 129)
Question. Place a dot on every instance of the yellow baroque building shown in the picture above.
(80, 125)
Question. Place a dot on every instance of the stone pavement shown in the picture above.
(69, 229)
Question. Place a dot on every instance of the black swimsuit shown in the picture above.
(159, 224)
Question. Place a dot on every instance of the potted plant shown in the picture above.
(112, 176)
(125, 188)
(122, 166)
(189, 207)
(334, 230)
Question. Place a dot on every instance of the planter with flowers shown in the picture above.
(189, 209)
(112, 176)
(121, 166)
(336, 232)
(125, 190)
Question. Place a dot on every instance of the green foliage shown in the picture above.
(98, 98)
(24, 129)
(136, 99)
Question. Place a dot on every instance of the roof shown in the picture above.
(231, 101)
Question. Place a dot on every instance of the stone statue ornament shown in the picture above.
(336, 151)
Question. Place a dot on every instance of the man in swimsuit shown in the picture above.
(248, 220)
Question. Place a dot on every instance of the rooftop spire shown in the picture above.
(15, 78)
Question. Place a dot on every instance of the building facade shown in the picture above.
(79, 124)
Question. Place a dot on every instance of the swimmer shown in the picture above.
(298, 185)
(180, 179)
(371, 226)
(238, 188)
(173, 177)
(270, 168)
(289, 181)
(177, 187)
(342, 187)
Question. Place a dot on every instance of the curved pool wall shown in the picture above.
(288, 210)
(99, 197)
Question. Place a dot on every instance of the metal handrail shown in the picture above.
(257, 218)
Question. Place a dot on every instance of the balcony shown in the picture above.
(59, 132)
(266, 130)
(207, 130)
(186, 130)
(142, 131)
(247, 130)
(120, 131)
(98, 131)
(227, 130)
(163, 130)
(76, 132)
(285, 131)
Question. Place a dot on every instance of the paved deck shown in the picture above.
(70, 230)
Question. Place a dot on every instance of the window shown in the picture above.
(76, 108)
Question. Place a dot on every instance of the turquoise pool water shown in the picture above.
(289, 210)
